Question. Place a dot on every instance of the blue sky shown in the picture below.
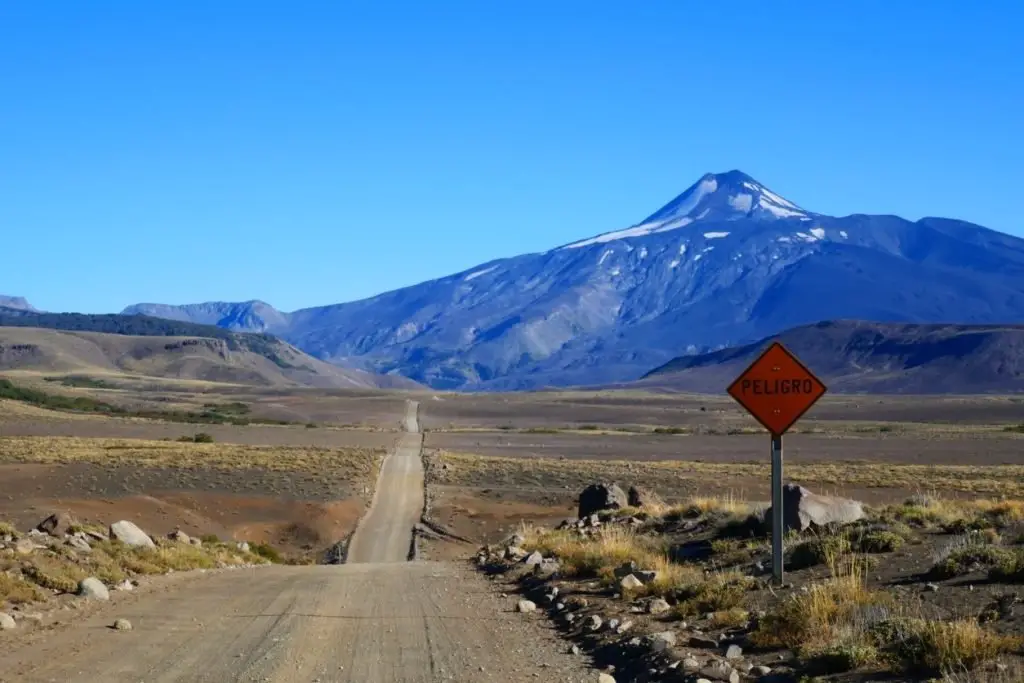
(310, 153)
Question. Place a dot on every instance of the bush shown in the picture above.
(964, 558)
(203, 437)
(879, 541)
(267, 552)
(820, 550)
(934, 647)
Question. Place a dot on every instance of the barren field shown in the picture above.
(300, 499)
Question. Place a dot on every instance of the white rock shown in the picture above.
(630, 582)
(93, 589)
(122, 625)
(662, 641)
(526, 606)
(605, 678)
(7, 622)
(129, 534)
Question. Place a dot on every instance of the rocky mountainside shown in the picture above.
(726, 262)
(857, 356)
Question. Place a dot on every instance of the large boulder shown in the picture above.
(598, 497)
(802, 509)
(129, 534)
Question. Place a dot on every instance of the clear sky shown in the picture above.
(310, 153)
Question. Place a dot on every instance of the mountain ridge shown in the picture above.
(725, 262)
(857, 356)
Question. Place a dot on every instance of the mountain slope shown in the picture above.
(726, 262)
(858, 356)
(170, 349)
(197, 358)
(247, 316)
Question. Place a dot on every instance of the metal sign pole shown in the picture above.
(777, 508)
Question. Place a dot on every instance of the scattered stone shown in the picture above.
(7, 622)
(514, 553)
(575, 649)
(80, 543)
(624, 626)
(625, 569)
(593, 623)
(734, 652)
(533, 558)
(179, 536)
(647, 576)
(690, 664)
(129, 534)
(122, 625)
(548, 567)
(630, 582)
(199, 543)
(526, 606)
(559, 606)
(605, 678)
(658, 606)
(703, 641)
(93, 589)
(613, 624)
(24, 546)
(125, 585)
(242, 546)
(802, 509)
(931, 587)
(720, 671)
(597, 497)
(662, 641)
(57, 525)
(760, 670)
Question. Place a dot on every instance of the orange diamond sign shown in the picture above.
(777, 389)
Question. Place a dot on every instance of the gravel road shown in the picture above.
(376, 620)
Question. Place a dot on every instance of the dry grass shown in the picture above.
(348, 462)
(998, 481)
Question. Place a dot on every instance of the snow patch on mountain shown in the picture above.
(476, 274)
(715, 235)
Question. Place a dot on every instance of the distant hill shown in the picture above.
(19, 303)
(72, 342)
(725, 263)
(869, 357)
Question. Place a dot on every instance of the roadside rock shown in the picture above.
(533, 558)
(526, 606)
(734, 652)
(625, 569)
(630, 582)
(122, 625)
(129, 534)
(605, 678)
(637, 497)
(662, 641)
(760, 670)
(802, 509)
(658, 606)
(93, 589)
(598, 497)
(56, 525)
(24, 546)
(7, 622)
(690, 664)
(593, 623)
(243, 546)
(720, 671)
(179, 536)
(79, 542)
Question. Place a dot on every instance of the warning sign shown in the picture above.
(777, 389)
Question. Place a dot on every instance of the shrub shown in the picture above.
(267, 552)
(819, 550)
(934, 647)
(203, 437)
(879, 541)
(966, 556)
(16, 590)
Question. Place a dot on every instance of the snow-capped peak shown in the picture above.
(716, 197)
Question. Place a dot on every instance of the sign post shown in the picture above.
(777, 389)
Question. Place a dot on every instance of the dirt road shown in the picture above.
(385, 533)
(367, 622)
